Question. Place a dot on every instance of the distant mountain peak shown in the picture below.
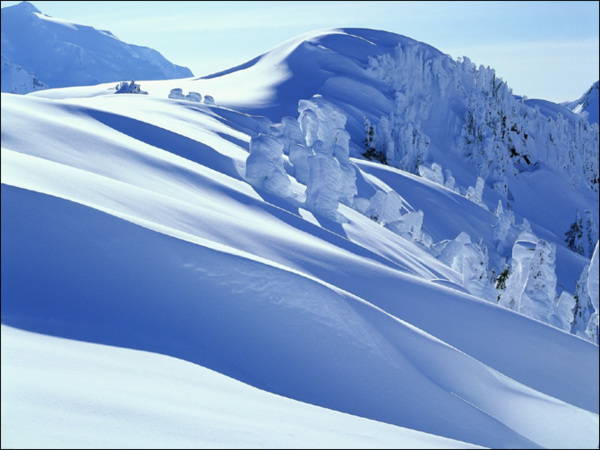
(590, 95)
(587, 104)
(60, 53)
(24, 7)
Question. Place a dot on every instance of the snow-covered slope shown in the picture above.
(61, 53)
(199, 408)
(266, 248)
(587, 105)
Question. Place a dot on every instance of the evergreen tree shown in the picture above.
(574, 237)
(501, 282)
(371, 152)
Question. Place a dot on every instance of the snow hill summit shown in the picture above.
(352, 222)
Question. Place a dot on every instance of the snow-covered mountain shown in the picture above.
(59, 53)
(16, 80)
(352, 220)
(587, 105)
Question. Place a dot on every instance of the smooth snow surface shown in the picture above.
(235, 238)
(154, 401)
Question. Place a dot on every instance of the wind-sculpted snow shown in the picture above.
(269, 250)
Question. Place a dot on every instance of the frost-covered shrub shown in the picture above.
(177, 94)
(194, 97)
(264, 166)
(128, 87)
(209, 100)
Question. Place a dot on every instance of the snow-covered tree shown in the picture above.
(475, 194)
(565, 311)
(591, 232)
(583, 309)
(264, 166)
(299, 155)
(434, 173)
(531, 285)
(410, 227)
(498, 134)
(288, 133)
(504, 229)
(324, 183)
(341, 152)
(385, 207)
(592, 288)
(471, 260)
(323, 128)
(450, 182)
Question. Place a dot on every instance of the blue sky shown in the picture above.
(543, 49)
